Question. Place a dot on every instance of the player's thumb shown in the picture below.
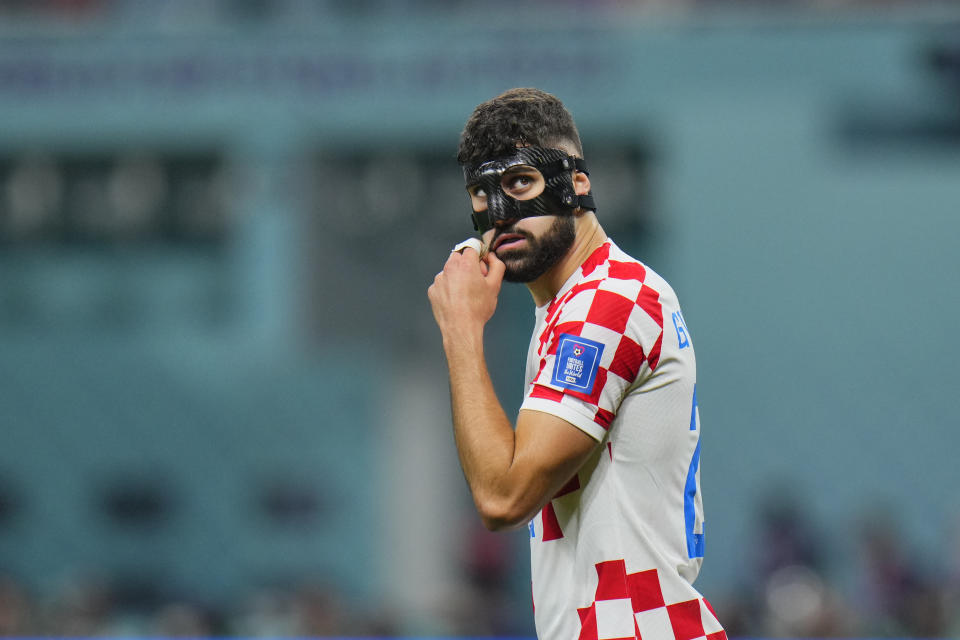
(495, 268)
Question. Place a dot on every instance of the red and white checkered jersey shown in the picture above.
(615, 552)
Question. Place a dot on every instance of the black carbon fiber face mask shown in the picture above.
(557, 197)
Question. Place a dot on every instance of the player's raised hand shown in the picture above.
(464, 295)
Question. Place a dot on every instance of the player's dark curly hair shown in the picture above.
(522, 116)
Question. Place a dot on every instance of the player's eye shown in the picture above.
(523, 184)
(478, 197)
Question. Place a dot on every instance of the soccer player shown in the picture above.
(603, 463)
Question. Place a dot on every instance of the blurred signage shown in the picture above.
(124, 69)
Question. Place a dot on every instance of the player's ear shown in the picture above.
(581, 183)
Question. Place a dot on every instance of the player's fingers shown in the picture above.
(452, 259)
(436, 289)
(464, 262)
(495, 267)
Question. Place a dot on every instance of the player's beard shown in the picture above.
(529, 263)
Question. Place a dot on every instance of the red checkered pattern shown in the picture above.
(632, 607)
(630, 501)
(551, 525)
(610, 304)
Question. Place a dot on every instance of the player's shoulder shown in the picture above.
(625, 267)
(616, 289)
(610, 269)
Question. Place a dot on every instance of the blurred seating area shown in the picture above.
(796, 588)
(93, 606)
(787, 592)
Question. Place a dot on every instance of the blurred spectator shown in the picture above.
(786, 537)
(319, 610)
(899, 598)
(16, 614)
(79, 606)
(267, 612)
(185, 620)
(951, 597)
(488, 564)
(798, 603)
(795, 599)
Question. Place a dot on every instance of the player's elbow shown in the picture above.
(502, 514)
(500, 522)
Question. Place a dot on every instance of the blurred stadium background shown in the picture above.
(223, 399)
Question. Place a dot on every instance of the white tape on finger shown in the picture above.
(472, 243)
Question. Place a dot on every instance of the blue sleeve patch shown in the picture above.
(577, 363)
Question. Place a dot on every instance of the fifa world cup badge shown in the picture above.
(577, 362)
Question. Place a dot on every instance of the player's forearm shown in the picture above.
(483, 433)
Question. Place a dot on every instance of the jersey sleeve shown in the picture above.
(595, 345)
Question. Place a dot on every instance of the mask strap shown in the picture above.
(567, 164)
(584, 201)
